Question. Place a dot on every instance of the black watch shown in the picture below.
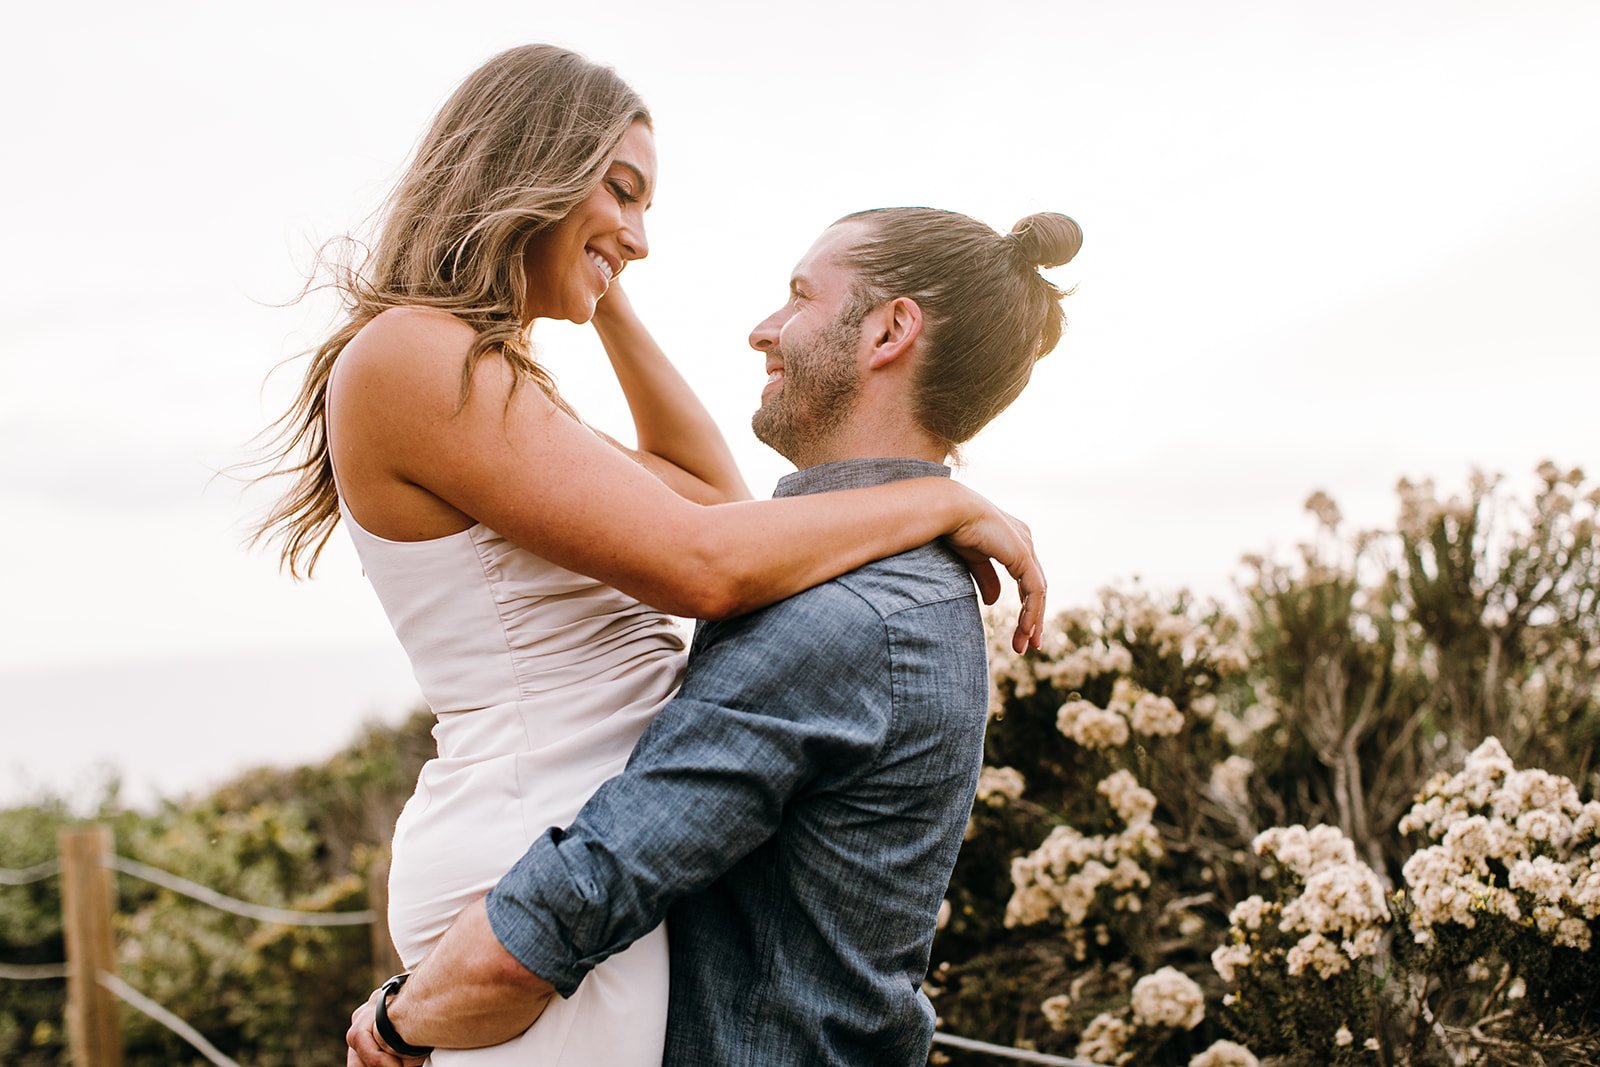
(386, 1029)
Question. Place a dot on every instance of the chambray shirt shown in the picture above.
(794, 812)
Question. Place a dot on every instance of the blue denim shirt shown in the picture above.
(795, 812)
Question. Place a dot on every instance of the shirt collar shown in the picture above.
(856, 473)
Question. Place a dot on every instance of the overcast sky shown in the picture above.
(1326, 245)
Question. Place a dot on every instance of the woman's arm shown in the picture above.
(673, 427)
(511, 460)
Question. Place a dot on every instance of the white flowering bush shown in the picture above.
(1502, 902)
(1485, 954)
(1091, 780)
(1179, 789)
(1303, 961)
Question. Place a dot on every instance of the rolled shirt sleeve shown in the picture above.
(768, 701)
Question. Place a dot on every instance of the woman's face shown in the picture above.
(571, 264)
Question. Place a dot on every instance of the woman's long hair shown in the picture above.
(521, 143)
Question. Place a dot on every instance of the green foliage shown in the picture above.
(264, 994)
(30, 934)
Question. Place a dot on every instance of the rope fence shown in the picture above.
(94, 1031)
(32, 972)
(132, 996)
(259, 912)
(28, 875)
(1021, 1055)
(85, 865)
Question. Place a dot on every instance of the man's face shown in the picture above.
(813, 353)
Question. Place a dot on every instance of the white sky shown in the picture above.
(1326, 246)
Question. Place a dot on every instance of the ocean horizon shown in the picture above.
(172, 726)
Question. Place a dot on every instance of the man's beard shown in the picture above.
(819, 392)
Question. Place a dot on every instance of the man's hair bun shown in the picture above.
(1047, 239)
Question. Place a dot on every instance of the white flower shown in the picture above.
(1258, 717)
(1104, 1039)
(1531, 823)
(1070, 671)
(1170, 631)
(1317, 953)
(1549, 827)
(996, 785)
(1230, 781)
(1343, 1036)
(1124, 691)
(1225, 1054)
(1347, 899)
(1250, 913)
(1155, 716)
(1228, 659)
(1091, 726)
(1168, 998)
(1066, 872)
(1134, 804)
(1543, 877)
(1306, 851)
(1057, 1011)
(1114, 659)
(1227, 959)
(1573, 933)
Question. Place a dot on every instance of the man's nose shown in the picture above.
(765, 335)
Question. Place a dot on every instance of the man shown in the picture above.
(796, 809)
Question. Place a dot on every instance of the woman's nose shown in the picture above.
(635, 245)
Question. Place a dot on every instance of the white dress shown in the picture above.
(542, 680)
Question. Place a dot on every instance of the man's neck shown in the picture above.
(871, 446)
(856, 473)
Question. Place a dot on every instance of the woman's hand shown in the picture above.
(612, 308)
(677, 438)
(992, 536)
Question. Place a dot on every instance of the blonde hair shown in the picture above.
(988, 314)
(517, 146)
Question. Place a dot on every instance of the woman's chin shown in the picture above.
(581, 313)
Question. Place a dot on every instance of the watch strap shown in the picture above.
(385, 1028)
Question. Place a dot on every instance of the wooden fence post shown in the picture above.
(385, 960)
(94, 1027)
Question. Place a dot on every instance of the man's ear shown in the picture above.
(898, 324)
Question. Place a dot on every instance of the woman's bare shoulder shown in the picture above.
(407, 358)
(399, 338)
(408, 361)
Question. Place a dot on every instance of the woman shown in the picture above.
(528, 564)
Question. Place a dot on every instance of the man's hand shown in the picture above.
(366, 1047)
(467, 993)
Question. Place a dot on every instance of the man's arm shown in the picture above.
(468, 992)
(769, 699)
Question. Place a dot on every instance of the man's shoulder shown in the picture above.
(854, 613)
(837, 607)
(928, 574)
(868, 596)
